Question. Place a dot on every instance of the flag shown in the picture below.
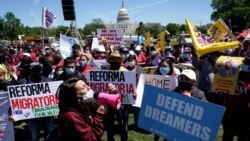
(220, 31)
(204, 44)
(48, 18)
(66, 44)
(148, 41)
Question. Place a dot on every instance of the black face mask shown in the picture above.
(74, 52)
(185, 86)
(115, 65)
(36, 76)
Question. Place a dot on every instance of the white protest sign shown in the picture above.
(125, 82)
(161, 81)
(34, 100)
(66, 44)
(113, 36)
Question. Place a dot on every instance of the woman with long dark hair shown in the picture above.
(80, 119)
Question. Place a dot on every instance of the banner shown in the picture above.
(34, 100)
(177, 117)
(48, 18)
(125, 82)
(225, 79)
(113, 36)
(161, 81)
(204, 44)
(219, 31)
(66, 44)
(6, 127)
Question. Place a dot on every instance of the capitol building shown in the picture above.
(123, 22)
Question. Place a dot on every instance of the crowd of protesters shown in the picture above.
(25, 64)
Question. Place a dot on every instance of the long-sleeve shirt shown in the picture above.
(72, 127)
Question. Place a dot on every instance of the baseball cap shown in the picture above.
(189, 73)
(36, 64)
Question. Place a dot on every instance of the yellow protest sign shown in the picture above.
(219, 30)
(226, 76)
(148, 40)
(150, 70)
(204, 45)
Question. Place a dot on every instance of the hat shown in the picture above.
(114, 57)
(26, 54)
(187, 49)
(189, 73)
(36, 64)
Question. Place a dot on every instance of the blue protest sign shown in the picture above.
(177, 117)
(6, 127)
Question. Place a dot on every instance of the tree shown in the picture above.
(12, 26)
(173, 28)
(234, 12)
(1, 28)
(92, 27)
(154, 29)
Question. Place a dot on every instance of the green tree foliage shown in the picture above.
(11, 26)
(154, 29)
(92, 27)
(173, 28)
(235, 11)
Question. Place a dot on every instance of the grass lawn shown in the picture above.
(140, 135)
(133, 135)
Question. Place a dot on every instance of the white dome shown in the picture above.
(123, 15)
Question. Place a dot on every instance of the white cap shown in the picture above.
(189, 73)
(26, 54)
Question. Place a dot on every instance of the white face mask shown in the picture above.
(131, 63)
(89, 94)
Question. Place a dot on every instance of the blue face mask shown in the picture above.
(69, 70)
(245, 68)
(185, 56)
(164, 70)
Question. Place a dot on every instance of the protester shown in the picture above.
(186, 56)
(83, 64)
(141, 57)
(35, 76)
(154, 57)
(115, 60)
(80, 119)
(69, 70)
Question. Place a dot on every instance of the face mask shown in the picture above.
(185, 56)
(89, 94)
(131, 63)
(82, 63)
(152, 53)
(115, 65)
(185, 86)
(245, 68)
(36, 75)
(59, 73)
(69, 70)
(125, 56)
(164, 70)
(74, 52)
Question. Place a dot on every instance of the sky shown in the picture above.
(152, 11)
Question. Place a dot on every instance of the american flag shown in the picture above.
(48, 18)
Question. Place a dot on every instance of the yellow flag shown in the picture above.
(219, 31)
(204, 45)
(161, 37)
(148, 41)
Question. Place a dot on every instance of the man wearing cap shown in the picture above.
(186, 86)
(35, 76)
(115, 60)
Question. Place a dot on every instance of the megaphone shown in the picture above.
(114, 100)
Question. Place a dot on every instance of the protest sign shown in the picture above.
(6, 127)
(225, 79)
(177, 117)
(150, 70)
(161, 81)
(66, 44)
(204, 45)
(125, 82)
(113, 36)
(34, 100)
